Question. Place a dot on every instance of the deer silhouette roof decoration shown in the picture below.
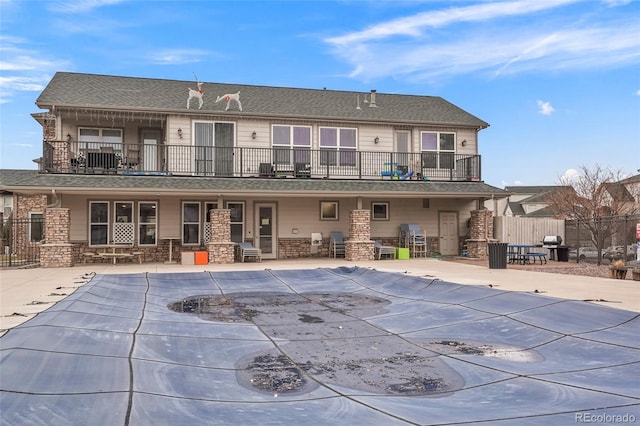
(230, 97)
(196, 93)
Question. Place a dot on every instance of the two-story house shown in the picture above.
(162, 163)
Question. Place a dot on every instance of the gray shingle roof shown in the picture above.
(74, 90)
(32, 180)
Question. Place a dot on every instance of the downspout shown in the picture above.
(56, 200)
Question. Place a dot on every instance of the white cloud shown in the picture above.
(545, 108)
(79, 6)
(638, 92)
(569, 176)
(486, 39)
(179, 56)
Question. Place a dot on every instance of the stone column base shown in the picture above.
(221, 253)
(56, 255)
(358, 250)
(478, 248)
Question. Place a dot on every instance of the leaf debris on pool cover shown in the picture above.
(320, 346)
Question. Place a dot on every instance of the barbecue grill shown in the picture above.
(554, 243)
(551, 241)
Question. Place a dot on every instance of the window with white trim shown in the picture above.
(379, 211)
(97, 138)
(338, 146)
(123, 227)
(237, 221)
(328, 210)
(36, 230)
(291, 144)
(438, 150)
(98, 223)
(190, 223)
(147, 223)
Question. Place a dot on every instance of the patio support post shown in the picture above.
(57, 251)
(359, 245)
(221, 249)
(480, 233)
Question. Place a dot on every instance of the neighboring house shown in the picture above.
(527, 201)
(131, 161)
(625, 194)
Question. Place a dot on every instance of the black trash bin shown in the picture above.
(497, 255)
(563, 253)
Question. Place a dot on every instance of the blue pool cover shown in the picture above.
(349, 346)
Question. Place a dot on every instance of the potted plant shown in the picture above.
(619, 269)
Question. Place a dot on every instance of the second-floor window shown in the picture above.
(292, 144)
(100, 139)
(338, 146)
(438, 150)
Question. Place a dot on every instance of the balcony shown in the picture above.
(181, 160)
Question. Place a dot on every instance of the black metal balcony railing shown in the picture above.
(180, 160)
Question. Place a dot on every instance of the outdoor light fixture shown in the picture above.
(253, 135)
(68, 137)
(376, 140)
(180, 132)
(464, 142)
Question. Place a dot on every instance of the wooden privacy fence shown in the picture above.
(526, 230)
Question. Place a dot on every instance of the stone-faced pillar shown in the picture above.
(221, 249)
(480, 233)
(56, 251)
(359, 245)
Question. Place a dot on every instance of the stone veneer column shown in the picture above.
(56, 251)
(221, 249)
(480, 233)
(61, 156)
(359, 245)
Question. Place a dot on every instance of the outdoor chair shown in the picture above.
(302, 170)
(266, 170)
(381, 250)
(132, 159)
(248, 250)
(417, 240)
(336, 245)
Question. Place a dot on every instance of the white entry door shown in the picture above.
(150, 142)
(448, 223)
(266, 235)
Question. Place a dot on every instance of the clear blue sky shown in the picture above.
(559, 81)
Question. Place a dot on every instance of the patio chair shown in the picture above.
(132, 159)
(302, 170)
(336, 244)
(266, 170)
(417, 240)
(248, 250)
(381, 250)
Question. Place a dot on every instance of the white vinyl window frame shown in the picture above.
(291, 144)
(438, 149)
(123, 226)
(97, 138)
(99, 223)
(338, 146)
(238, 214)
(147, 223)
(379, 210)
(329, 210)
(191, 223)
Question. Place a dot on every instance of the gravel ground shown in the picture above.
(571, 268)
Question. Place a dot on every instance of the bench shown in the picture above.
(531, 257)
